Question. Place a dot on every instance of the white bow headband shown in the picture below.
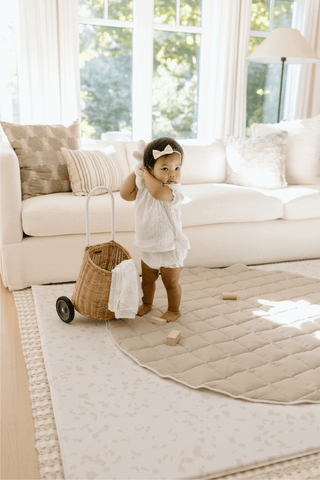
(167, 151)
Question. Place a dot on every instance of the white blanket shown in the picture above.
(125, 291)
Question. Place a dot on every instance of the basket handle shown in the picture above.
(87, 213)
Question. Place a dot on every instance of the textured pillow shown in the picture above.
(38, 148)
(91, 168)
(257, 162)
(302, 153)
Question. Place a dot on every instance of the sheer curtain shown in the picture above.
(49, 75)
(308, 102)
(222, 96)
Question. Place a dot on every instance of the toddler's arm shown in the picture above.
(129, 188)
(156, 188)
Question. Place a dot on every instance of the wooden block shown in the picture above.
(173, 337)
(158, 320)
(229, 296)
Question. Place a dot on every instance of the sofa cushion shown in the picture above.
(221, 203)
(120, 148)
(64, 214)
(205, 204)
(302, 153)
(93, 168)
(257, 162)
(42, 166)
(299, 201)
(202, 163)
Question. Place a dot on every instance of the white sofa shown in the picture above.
(43, 238)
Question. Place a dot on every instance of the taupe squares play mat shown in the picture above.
(262, 347)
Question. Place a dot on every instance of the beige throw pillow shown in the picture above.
(38, 148)
(302, 153)
(92, 168)
(257, 162)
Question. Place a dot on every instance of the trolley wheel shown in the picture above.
(65, 309)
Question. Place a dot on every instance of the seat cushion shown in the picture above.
(205, 204)
(222, 203)
(64, 214)
(299, 201)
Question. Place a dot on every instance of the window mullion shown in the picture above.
(142, 66)
(105, 10)
(177, 12)
(271, 13)
(258, 33)
(166, 27)
(105, 22)
(207, 74)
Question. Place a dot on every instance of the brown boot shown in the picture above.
(149, 277)
(170, 278)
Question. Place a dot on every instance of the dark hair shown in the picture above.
(159, 144)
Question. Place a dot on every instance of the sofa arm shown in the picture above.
(10, 196)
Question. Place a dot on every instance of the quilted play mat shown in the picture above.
(262, 347)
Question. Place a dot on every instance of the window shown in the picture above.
(9, 91)
(112, 49)
(106, 68)
(263, 86)
(176, 57)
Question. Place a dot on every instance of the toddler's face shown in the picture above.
(167, 169)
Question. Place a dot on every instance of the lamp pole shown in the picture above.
(283, 59)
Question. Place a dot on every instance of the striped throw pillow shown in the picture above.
(91, 168)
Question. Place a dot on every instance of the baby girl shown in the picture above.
(159, 239)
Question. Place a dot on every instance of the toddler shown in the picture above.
(159, 239)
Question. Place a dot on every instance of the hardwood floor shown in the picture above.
(19, 458)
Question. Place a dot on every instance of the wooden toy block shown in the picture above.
(173, 337)
(158, 320)
(229, 296)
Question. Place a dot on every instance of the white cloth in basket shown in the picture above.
(125, 291)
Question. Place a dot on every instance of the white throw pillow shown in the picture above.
(302, 153)
(92, 168)
(201, 163)
(257, 162)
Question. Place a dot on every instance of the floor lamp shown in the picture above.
(284, 45)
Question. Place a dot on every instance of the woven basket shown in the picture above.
(91, 292)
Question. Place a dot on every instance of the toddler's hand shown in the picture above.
(147, 174)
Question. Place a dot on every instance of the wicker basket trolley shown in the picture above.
(92, 288)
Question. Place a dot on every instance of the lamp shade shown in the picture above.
(287, 43)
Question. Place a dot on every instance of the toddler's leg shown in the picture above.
(170, 278)
(149, 277)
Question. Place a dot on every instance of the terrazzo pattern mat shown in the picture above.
(112, 416)
(263, 346)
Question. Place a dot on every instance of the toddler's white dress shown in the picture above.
(159, 238)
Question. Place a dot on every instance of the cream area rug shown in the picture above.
(264, 346)
(98, 414)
